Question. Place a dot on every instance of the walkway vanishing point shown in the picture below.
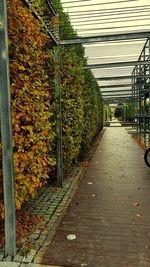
(110, 212)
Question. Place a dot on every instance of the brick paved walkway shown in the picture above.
(50, 204)
(110, 212)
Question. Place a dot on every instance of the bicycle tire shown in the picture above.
(147, 153)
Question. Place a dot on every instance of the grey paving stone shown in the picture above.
(42, 239)
(37, 231)
(1, 257)
(44, 232)
(47, 243)
(28, 259)
(42, 223)
(37, 265)
(9, 264)
(34, 236)
(8, 259)
(24, 240)
(39, 256)
(46, 218)
(18, 258)
(24, 265)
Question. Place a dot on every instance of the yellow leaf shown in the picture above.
(21, 67)
(18, 204)
(34, 178)
(19, 176)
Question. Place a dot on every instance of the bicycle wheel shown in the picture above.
(147, 157)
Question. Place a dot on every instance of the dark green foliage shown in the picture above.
(118, 111)
(92, 111)
(80, 95)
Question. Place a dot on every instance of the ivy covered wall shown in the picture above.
(33, 104)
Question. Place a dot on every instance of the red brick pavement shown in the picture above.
(110, 212)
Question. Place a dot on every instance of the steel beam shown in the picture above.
(123, 100)
(42, 20)
(116, 95)
(59, 153)
(110, 78)
(117, 98)
(125, 90)
(123, 85)
(107, 38)
(6, 137)
(113, 97)
(115, 91)
(117, 64)
(115, 86)
(125, 94)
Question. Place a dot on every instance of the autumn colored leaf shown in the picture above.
(32, 75)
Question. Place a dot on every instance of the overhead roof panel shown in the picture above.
(104, 18)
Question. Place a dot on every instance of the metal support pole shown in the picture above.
(144, 97)
(59, 156)
(149, 119)
(6, 136)
(107, 116)
(149, 95)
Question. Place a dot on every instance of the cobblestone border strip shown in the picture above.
(17, 264)
(50, 204)
(59, 214)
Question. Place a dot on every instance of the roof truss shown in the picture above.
(117, 64)
(107, 38)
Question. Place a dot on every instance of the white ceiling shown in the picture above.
(104, 17)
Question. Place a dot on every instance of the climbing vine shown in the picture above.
(92, 110)
(72, 106)
(80, 95)
(33, 105)
(31, 76)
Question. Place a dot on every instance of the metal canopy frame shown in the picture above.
(138, 90)
(116, 94)
(6, 137)
(83, 18)
(142, 123)
(45, 20)
(107, 38)
(117, 64)
(114, 91)
(122, 85)
(120, 77)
